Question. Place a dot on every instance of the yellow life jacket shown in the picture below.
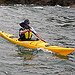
(28, 34)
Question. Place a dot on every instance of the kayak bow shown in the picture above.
(37, 44)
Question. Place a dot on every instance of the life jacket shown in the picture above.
(28, 34)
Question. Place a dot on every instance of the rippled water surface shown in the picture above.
(55, 24)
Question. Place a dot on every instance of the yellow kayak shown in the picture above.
(37, 44)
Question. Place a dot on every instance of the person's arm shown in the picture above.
(22, 31)
(39, 37)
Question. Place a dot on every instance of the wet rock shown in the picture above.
(40, 2)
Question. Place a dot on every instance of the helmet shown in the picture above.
(26, 21)
(25, 24)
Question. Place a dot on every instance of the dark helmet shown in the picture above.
(25, 24)
(26, 21)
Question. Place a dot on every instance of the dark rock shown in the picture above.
(39, 2)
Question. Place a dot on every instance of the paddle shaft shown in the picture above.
(39, 37)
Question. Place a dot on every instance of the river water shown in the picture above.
(55, 24)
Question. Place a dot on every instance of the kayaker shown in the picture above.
(26, 31)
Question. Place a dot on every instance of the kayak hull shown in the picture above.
(37, 44)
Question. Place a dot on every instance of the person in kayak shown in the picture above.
(26, 31)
